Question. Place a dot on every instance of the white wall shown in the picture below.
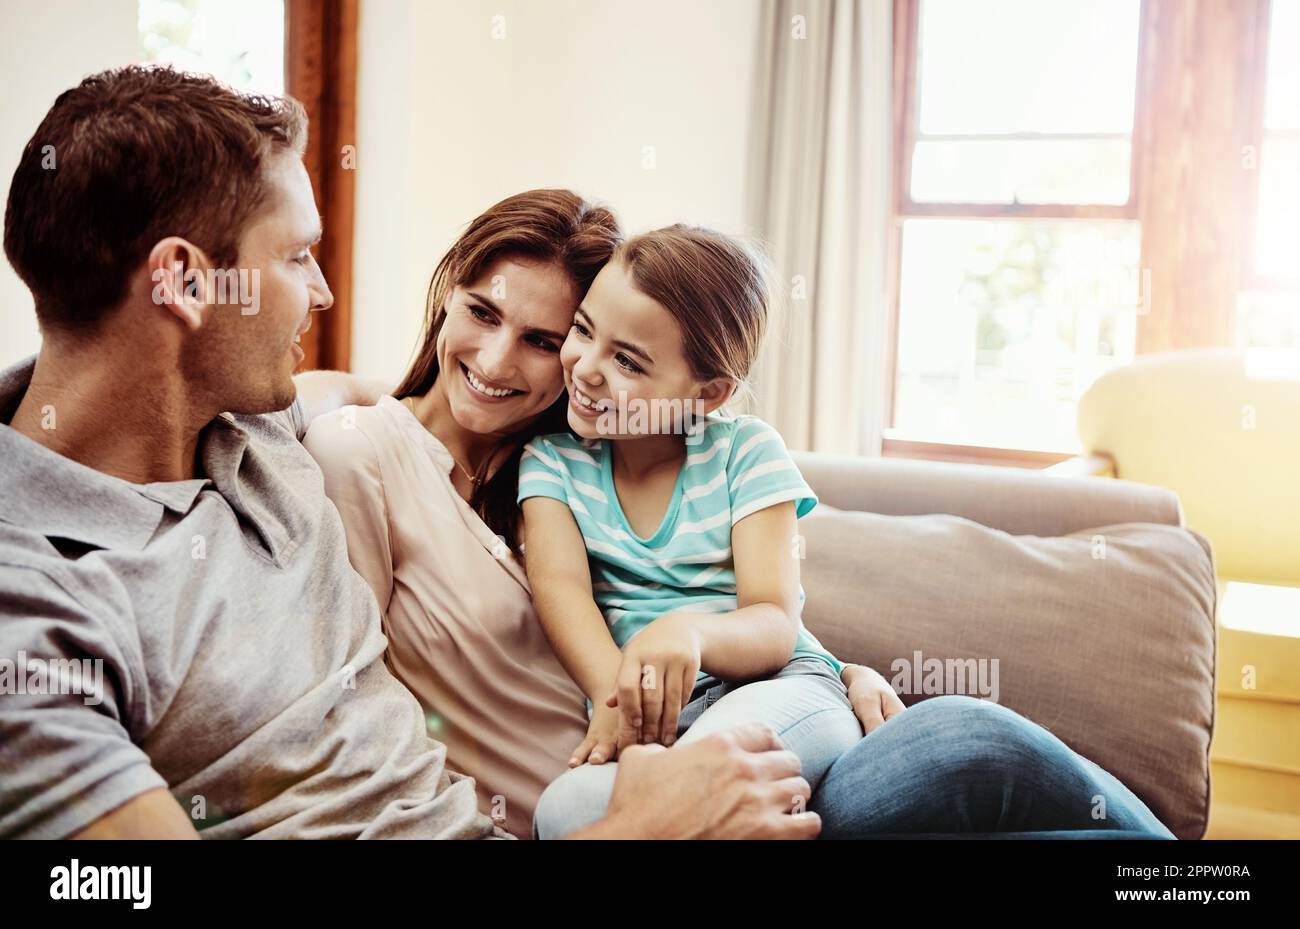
(47, 46)
(450, 120)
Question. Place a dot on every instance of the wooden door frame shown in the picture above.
(321, 73)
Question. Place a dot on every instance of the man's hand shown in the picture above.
(873, 700)
(656, 679)
(739, 784)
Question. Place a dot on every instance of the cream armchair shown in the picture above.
(1221, 428)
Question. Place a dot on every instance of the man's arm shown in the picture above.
(740, 784)
(154, 814)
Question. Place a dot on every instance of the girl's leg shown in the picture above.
(805, 704)
(574, 800)
(954, 764)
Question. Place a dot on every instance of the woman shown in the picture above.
(425, 483)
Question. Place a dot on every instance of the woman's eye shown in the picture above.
(582, 330)
(627, 364)
(302, 259)
(545, 345)
(479, 313)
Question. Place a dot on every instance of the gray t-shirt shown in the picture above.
(208, 636)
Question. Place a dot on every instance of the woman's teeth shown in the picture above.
(484, 388)
(587, 401)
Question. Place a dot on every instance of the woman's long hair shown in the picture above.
(555, 226)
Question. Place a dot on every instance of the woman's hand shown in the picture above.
(601, 744)
(656, 679)
(874, 701)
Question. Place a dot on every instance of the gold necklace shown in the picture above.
(410, 405)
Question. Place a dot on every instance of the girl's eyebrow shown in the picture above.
(626, 346)
(533, 330)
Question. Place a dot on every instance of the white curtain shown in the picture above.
(819, 186)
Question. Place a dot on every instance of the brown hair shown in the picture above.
(555, 226)
(717, 287)
(129, 157)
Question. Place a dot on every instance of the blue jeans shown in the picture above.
(805, 703)
(958, 767)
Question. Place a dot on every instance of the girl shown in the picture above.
(688, 529)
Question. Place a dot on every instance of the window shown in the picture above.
(1269, 307)
(1078, 182)
(1278, 221)
(239, 41)
(1016, 218)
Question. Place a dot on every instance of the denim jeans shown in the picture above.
(805, 703)
(958, 767)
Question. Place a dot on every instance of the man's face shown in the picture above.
(247, 349)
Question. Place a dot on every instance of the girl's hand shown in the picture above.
(601, 744)
(874, 701)
(656, 679)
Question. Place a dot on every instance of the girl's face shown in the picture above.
(498, 350)
(624, 352)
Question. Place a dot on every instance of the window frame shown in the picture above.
(1198, 95)
(320, 62)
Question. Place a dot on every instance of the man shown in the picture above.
(164, 535)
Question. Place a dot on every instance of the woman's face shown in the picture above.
(499, 348)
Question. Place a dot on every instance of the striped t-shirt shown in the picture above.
(734, 467)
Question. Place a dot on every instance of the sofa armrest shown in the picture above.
(1015, 500)
(1096, 465)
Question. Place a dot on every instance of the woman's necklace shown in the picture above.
(472, 479)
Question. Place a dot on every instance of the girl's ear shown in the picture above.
(716, 392)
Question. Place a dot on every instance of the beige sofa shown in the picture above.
(1084, 605)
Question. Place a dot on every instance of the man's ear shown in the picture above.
(178, 269)
(716, 392)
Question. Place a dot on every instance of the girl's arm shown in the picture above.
(556, 560)
(874, 701)
(767, 599)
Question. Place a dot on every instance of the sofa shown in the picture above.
(1086, 606)
(1220, 427)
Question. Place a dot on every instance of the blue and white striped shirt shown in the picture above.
(734, 468)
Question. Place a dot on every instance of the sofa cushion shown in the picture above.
(1105, 637)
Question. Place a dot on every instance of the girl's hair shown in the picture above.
(717, 287)
(555, 226)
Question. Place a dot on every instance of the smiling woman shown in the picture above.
(426, 490)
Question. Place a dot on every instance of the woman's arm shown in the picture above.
(556, 560)
(324, 391)
(759, 636)
(349, 463)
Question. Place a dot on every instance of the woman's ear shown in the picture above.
(716, 392)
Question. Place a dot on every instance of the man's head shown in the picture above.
(165, 210)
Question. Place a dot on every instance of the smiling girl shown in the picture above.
(664, 565)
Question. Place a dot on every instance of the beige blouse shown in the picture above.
(462, 632)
